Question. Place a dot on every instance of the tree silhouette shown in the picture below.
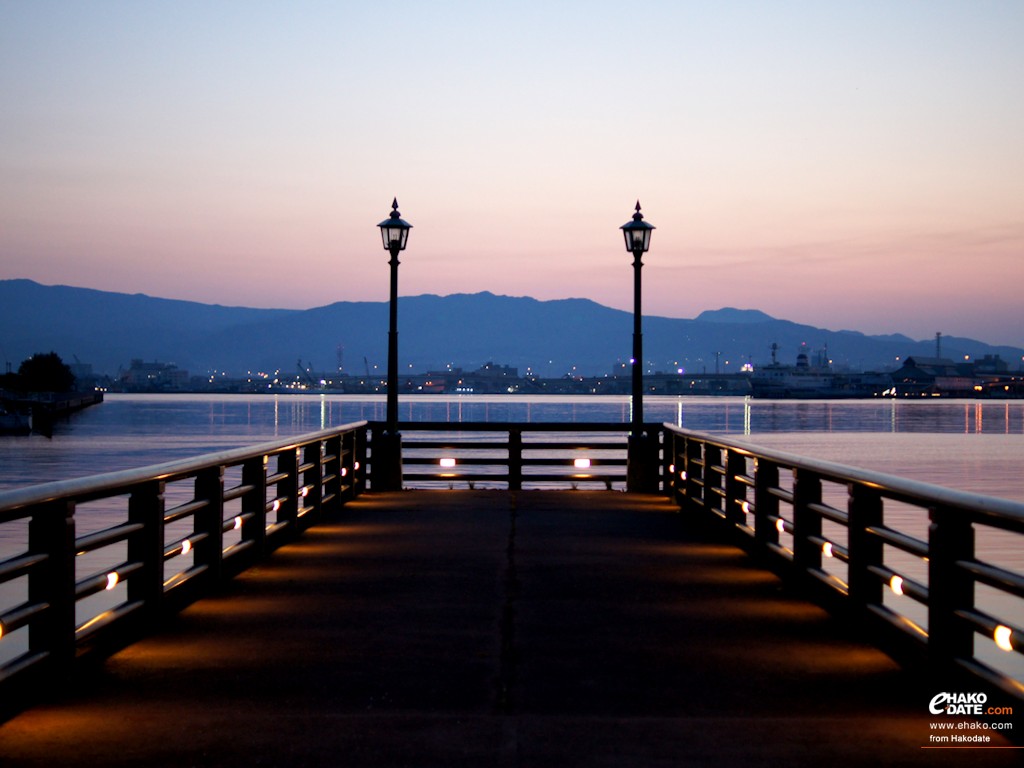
(46, 373)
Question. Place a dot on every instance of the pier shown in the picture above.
(268, 607)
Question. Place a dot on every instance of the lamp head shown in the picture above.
(394, 230)
(637, 233)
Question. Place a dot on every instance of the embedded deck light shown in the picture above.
(1003, 637)
(896, 584)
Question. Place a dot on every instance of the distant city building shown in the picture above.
(153, 377)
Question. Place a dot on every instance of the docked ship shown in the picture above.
(807, 381)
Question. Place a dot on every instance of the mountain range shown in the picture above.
(551, 338)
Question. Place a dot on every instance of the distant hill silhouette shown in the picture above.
(108, 330)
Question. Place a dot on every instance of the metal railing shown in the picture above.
(927, 565)
(93, 562)
(513, 455)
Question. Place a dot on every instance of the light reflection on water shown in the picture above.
(972, 445)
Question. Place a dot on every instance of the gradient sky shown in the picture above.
(850, 165)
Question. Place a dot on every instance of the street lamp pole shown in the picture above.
(395, 234)
(638, 240)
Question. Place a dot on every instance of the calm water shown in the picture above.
(974, 446)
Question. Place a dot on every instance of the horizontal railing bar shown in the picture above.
(901, 623)
(829, 513)
(91, 585)
(544, 476)
(526, 462)
(469, 445)
(106, 537)
(175, 549)
(980, 620)
(517, 426)
(184, 576)
(185, 510)
(106, 619)
(899, 540)
(230, 523)
(1008, 581)
(237, 492)
(19, 616)
(16, 567)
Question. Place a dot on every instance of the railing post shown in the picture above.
(254, 503)
(515, 460)
(51, 531)
(359, 463)
(950, 539)
(313, 480)
(679, 459)
(146, 507)
(864, 511)
(735, 490)
(333, 486)
(692, 488)
(386, 459)
(209, 486)
(806, 522)
(288, 489)
(766, 503)
(713, 501)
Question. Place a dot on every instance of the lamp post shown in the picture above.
(640, 470)
(395, 234)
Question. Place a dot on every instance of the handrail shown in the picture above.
(168, 534)
(918, 590)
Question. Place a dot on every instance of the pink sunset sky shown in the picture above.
(846, 165)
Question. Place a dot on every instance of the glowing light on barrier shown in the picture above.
(1003, 637)
(344, 471)
(896, 584)
(671, 469)
(581, 463)
(1, 630)
(112, 579)
(780, 525)
(355, 466)
(826, 549)
(682, 474)
(186, 547)
(745, 506)
(276, 505)
(447, 463)
(304, 492)
(238, 523)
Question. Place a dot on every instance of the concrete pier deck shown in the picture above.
(490, 628)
